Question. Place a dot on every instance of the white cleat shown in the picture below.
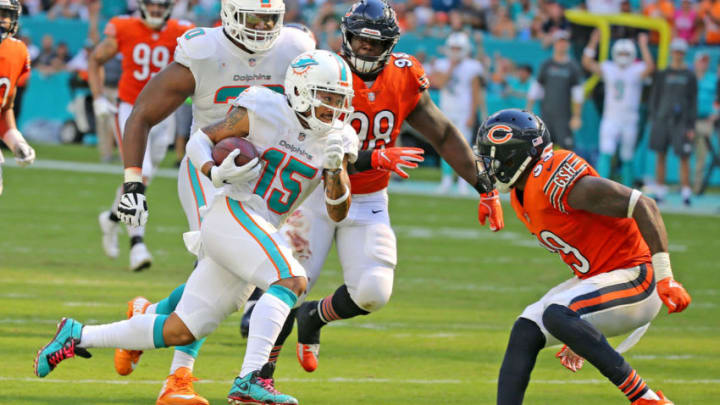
(140, 258)
(110, 231)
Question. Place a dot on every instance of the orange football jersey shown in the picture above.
(589, 243)
(144, 50)
(380, 111)
(14, 68)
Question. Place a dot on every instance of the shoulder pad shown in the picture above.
(295, 40)
(257, 98)
(197, 43)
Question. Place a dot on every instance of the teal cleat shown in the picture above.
(61, 347)
(258, 388)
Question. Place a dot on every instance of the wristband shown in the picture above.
(340, 200)
(634, 198)
(133, 175)
(589, 52)
(199, 149)
(661, 265)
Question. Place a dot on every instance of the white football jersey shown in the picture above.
(292, 158)
(222, 70)
(456, 96)
(623, 89)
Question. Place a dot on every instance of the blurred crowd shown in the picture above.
(693, 22)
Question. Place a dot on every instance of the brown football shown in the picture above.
(227, 145)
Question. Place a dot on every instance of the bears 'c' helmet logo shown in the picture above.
(500, 134)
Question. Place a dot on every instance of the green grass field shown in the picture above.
(441, 339)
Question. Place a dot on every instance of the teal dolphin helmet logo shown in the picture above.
(302, 65)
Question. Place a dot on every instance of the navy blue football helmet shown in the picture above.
(509, 143)
(374, 20)
(9, 8)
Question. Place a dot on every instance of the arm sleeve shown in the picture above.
(364, 161)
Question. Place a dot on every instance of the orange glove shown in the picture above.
(673, 295)
(569, 359)
(396, 158)
(489, 207)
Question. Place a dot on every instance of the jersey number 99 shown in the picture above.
(144, 56)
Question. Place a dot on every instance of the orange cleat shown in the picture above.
(178, 390)
(308, 356)
(127, 360)
(661, 401)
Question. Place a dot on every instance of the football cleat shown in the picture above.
(140, 258)
(127, 360)
(308, 346)
(63, 346)
(258, 387)
(661, 401)
(110, 231)
(178, 390)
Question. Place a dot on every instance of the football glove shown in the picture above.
(490, 208)
(230, 173)
(569, 359)
(24, 153)
(133, 209)
(334, 152)
(395, 159)
(103, 106)
(673, 295)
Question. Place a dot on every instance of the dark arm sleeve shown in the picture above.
(363, 161)
(692, 101)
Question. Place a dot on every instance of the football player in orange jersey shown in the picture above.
(147, 44)
(14, 69)
(612, 237)
(390, 88)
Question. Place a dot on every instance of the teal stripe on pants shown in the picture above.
(265, 240)
(195, 181)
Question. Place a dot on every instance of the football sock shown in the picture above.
(135, 240)
(250, 303)
(141, 332)
(628, 174)
(339, 306)
(183, 359)
(284, 333)
(604, 165)
(167, 305)
(588, 342)
(113, 217)
(269, 316)
(526, 341)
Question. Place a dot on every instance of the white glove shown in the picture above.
(333, 152)
(103, 106)
(24, 153)
(133, 209)
(229, 173)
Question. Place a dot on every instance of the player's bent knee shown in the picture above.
(297, 285)
(176, 333)
(374, 289)
(556, 318)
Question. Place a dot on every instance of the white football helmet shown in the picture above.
(155, 21)
(623, 52)
(310, 76)
(239, 15)
(458, 46)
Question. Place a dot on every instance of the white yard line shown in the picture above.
(354, 381)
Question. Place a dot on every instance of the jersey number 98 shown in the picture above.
(383, 124)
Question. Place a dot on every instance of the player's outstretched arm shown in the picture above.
(606, 197)
(646, 55)
(103, 52)
(589, 54)
(162, 95)
(446, 139)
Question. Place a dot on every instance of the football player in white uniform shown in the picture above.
(213, 66)
(459, 77)
(301, 138)
(623, 77)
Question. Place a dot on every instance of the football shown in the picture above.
(227, 145)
